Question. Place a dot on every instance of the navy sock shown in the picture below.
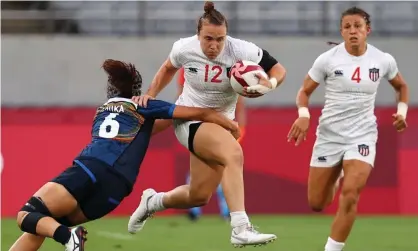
(62, 234)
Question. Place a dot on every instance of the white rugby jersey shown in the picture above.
(206, 81)
(350, 90)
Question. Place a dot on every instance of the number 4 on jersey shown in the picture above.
(110, 127)
(356, 75)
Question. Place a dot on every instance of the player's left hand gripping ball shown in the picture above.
(399, 122)
(264, 86)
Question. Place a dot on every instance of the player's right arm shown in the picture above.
(162, 124)
(165, 74)
(158, 109)
(316, 75)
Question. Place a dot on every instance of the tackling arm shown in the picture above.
(206, 115)
(162, 124)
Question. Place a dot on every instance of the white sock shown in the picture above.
(334, 245)
(156, 202)
(239, 219)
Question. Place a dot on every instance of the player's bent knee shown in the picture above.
(234, 156)
(349, 198)
(20, 216)
(30, 214)
(200, 199)
(316, 200)
(316, 205)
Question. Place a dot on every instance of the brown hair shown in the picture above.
(212, 16)
(356, 11)
(123, 79)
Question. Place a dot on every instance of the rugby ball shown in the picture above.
(243, 74)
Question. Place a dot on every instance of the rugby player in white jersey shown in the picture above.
(347, 132)
(215, 155)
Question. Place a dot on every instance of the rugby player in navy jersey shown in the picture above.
(103, 174)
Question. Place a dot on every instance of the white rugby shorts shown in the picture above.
(182, 131)
(330, 154)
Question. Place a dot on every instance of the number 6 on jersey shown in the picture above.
(105, 131)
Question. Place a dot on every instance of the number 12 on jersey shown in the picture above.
(215, 78)
(109, 127)
(356, 75)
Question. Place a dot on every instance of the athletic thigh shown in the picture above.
(362, 151)
(56, 199)
(356, 174)
(204, 178)
(216, 145)
(62, 194)
(209, 141)
(326, 166)
(185, 131)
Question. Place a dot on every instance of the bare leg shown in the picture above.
(322, 186)
(59, 203)
(28, 242)
(356, 174)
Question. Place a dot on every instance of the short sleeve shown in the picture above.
(392, 67)
(175, 54)
(157, 109)
(248, 51)
(318, 71)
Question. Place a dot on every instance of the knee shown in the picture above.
(234, 157)
(29, 216)
(20, 216)
(349, 198)
(199, 199)
(316, 204)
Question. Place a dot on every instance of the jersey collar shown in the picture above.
(121, 100)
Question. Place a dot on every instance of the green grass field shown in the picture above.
(296, 233)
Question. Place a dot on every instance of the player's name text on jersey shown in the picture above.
(112, 108)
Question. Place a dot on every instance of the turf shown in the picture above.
(296, 233)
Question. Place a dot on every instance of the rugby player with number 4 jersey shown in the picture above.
(346, 135)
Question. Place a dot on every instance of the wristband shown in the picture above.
(273, 82)
(303, 112)
(402, 109)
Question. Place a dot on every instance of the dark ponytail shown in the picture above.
(123, 79)
(212, 16)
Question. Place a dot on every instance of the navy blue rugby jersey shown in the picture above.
(121, 133)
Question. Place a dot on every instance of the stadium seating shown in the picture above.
(153, 18)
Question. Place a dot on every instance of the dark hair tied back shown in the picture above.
(212, 16)
(124, 80)
(209, 7)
